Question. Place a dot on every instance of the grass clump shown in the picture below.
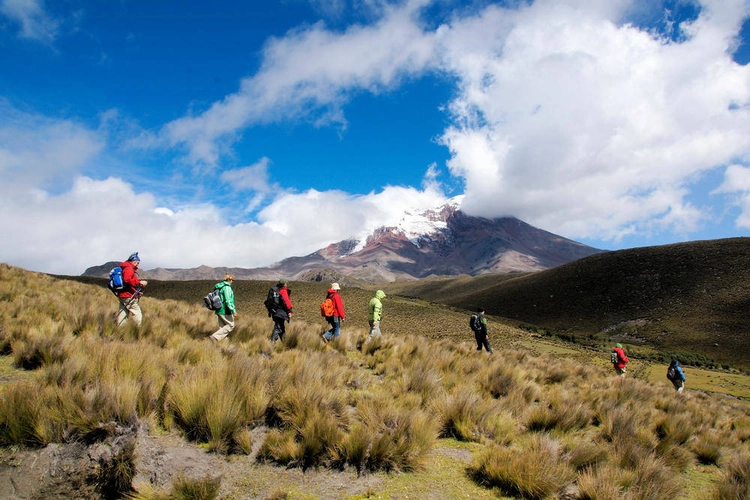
(535, 470)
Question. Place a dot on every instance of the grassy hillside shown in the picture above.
(690, 298)
(404, 416)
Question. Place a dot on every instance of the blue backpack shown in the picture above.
(116, 282)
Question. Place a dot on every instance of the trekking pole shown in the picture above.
(138, 293)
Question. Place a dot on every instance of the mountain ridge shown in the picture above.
(441, 241)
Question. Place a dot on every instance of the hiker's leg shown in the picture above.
(135, 312)
(226, 325)
(276, 333)
(480, 341)
(122, 313)
(486, 343)
(336, 327)
(374, 329)
(279, 329)
(328, 334)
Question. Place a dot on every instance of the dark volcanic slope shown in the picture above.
(690, 297)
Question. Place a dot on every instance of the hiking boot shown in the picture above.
(323, 336)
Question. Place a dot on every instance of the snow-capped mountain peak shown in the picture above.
(414, 224)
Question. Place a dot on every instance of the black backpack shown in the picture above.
(671, 373)
(475, 323)
(272, 300)
(213, 300)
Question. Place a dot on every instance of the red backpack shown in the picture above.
(327, 308)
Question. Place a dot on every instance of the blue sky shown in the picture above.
(229, 134)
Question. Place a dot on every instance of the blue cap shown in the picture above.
(134, 257)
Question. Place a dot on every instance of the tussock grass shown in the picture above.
(534, 469)
(736, 480)
(183, 488)
(542, 424)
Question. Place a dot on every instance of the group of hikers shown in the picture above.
(675, 374)
(279, 306)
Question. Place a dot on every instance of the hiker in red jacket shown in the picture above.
(338, 313)
(621, 361)
(131, 293)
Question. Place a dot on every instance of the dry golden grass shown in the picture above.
(542, 424)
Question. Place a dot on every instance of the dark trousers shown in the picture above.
(482, 341)
(279, 329)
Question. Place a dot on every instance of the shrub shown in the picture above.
(530, 471)
(459, 414)
(654, 479)
(500, 381)
(39, 349)
(20, 409)
(600, 483)
(587, 455)
(116, 476)
(708, 448)
(387, 437)
(280, 447)
(185, 488)
(735, 482)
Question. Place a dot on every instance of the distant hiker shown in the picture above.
(227, 312)
(478, 324)
(131, 292)
(676, 375)
(337, 315)
(619, 359)
(279, 306)
(375, 313)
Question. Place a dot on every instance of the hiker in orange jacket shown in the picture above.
(338, 313)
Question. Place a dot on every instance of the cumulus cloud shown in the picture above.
(99, 221)
(53, 228)
(574, 121)
(34, 21)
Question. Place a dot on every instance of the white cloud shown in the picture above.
(309, 74)
(251, 178)
(34, 21)
(66, 230)
(36, 149)
(590, 128)
(100, 221)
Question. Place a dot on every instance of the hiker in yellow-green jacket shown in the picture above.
(227, 312)
(375, 313)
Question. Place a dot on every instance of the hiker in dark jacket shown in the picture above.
(131, 292)
(282, 311)
(676, 375)
(478, 325)
(227, 312)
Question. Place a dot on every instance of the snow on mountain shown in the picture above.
(415, 224)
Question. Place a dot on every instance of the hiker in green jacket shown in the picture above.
(375, 313)
(227, 312)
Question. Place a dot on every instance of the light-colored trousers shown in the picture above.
(226, 325)
(374, 329)
(129, 307)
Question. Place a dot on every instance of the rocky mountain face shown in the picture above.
(443, 241)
